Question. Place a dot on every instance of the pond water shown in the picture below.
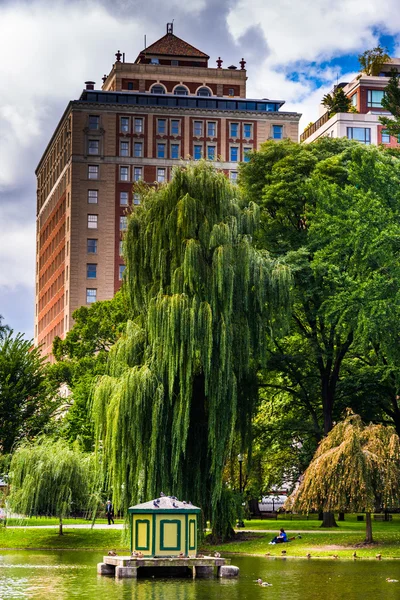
(72, 574)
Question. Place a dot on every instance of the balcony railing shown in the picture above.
(313, 128)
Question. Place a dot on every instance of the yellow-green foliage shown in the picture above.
(355, 468)
(182, 376)
(50, 478)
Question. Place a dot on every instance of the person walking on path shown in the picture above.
(110, 512)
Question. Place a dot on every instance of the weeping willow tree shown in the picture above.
(51, 478)
(355, 468)
(182, 380)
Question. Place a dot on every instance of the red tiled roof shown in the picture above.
(171, 45)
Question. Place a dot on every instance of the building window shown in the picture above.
(93, 171)
(93, 196)
(361, 134)
(234, 152)
(91, 295)
(124, 173)
(123, 198)
(93, 147)
(137, 173)
(231, 92)
(198, 128)
(204, 91)
(211, 152)
(92, 246)
(277, 132)
(374, 98)
(138, 150)
(246, 154)
(123, 223)
(154, 61)
(211, 129)
(160, 150)
(234, 130)
(121, 247)
(181, 90)
(138, 125)
(92, 221)
(130, 85)
(158, 89)
(198, 152)
(91, 271)
(247, 131)
(124, 124)
(233, 175)
(161, 126)
(121, 271)
(160, 175)
(136, 199)
(354, 100)
(94, 122)
(124, 148)
(385, 137)
(175, 151)
(175, 127)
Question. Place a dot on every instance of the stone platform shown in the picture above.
(128, 566)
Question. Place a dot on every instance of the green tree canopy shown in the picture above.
(391, 102)
(26, 402)
(80, 358)
(372, 61)
(182, 380)
(355, 468)
(49, 477)
(337, 102)
(331, 210)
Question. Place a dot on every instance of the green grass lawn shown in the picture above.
(301, 523)
(38, 521)
(78, 539)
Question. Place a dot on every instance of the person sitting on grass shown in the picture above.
(280, 538)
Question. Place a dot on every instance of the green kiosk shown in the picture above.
(164, 527)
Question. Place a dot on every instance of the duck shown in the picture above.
(139, 555)
(283, 551)
(268, 554)
(335, 556)
(355, 554)
(263, 583)
(308, 555)
(200, 556)
(379, 556)
(389, 580)
(217, 555)
(112, 553)
(181, 555)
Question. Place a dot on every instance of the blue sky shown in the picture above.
(295, 50)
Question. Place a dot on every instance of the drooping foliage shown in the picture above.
(182, 380)
(355, 468)
(49, 477)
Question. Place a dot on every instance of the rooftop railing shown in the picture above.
(314, 127)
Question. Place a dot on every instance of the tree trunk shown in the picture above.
(60, 527)
(341, 516)
(320, 516)
(368, 532)
(329, 520)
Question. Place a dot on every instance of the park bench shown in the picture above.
(383, 517)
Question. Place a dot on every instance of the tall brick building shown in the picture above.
(149, 115)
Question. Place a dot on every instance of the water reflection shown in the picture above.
(65, 575)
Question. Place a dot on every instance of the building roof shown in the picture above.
(165, 504)
(171, 45)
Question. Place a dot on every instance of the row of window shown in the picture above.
(200, 127)
(93, 198)
(374, 98)
(182, 90)
(91, 271)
